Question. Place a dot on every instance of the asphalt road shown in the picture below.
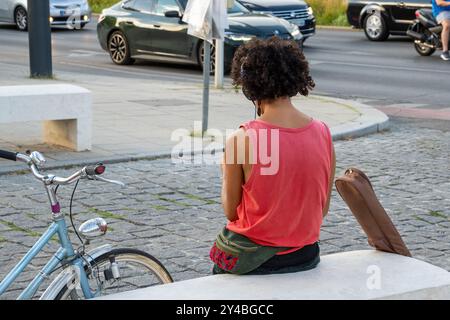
(343, 64)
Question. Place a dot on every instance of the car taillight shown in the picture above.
(417, 14)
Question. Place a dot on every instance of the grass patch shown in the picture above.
(437, 214)
(178, 203)
(330, 12)
(15, 227)
(98, 5)
(194, 197)
(106, 214)
(420, 219)
(159, 207)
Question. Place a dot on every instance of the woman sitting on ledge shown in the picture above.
(278, 169)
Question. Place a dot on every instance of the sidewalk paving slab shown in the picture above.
(134, 118)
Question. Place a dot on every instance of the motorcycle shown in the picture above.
(426, 33)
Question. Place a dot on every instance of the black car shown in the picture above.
(152, 29)
(381, 18)
(295, 11)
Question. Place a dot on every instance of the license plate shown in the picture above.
(298, 22)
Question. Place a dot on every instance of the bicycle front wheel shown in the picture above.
(119, 270)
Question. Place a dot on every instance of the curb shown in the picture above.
(340, 28)
(370, 121)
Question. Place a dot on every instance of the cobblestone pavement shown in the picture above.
(173, 211)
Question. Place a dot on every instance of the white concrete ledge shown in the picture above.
(367, 274)
(65, 109)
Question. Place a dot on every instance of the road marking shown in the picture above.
(441, 114)
(376, 66)
(163, 74)
(358, 53)
(84, 53)
(313, 62)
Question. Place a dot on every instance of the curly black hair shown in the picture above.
(271, 69)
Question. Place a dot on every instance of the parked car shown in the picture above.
(295, 11)
(151, 29)
(75, 13)
(380, 18)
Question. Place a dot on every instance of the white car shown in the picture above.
(71, 13)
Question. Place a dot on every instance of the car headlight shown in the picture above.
(295, 33)
(239, 37)
(310, 11)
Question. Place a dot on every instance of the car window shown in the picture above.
(162, 6)
(141, 5)
(237, 8)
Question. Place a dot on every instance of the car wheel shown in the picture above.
(375, 27)
(21, 18)
(201, 57)
(424, 50)
(119, 50)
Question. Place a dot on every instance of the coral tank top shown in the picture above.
(284, 198)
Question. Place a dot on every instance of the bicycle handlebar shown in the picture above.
(96, 170)
(8, 155)
(89, 172)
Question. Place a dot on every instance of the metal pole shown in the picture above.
(219, 64)
(206, 78)
(39, 37)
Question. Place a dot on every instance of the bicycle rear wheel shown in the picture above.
(119, 270)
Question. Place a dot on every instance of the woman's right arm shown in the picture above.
(331, 182)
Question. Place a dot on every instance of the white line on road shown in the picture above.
(377, 66)
(84, 53)
(163, 74)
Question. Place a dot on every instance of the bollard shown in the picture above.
(206, 79)
(39, 37)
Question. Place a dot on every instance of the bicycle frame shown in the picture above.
(64, 253)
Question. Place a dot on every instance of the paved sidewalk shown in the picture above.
(173, 211)
(135, 118)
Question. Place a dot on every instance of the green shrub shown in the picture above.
(327, 12)
(330, 12)
(98, 5)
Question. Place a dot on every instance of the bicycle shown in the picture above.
(84, 275)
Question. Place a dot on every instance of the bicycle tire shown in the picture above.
(153, 265)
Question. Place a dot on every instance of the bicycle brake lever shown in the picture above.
(123, 185)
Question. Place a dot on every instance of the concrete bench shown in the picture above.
(65, 110)
(366, 274)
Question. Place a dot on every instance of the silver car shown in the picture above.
(74, 14)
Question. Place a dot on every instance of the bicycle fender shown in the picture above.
(65, 277)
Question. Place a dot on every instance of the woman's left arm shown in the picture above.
(233, 174)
